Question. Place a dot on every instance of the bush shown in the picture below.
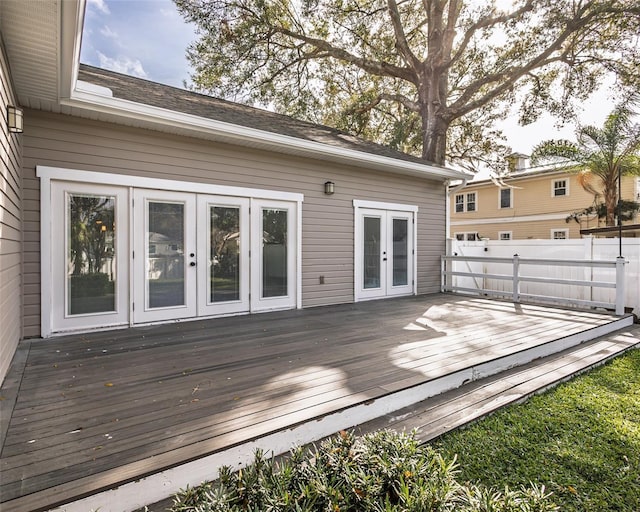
(380, 472)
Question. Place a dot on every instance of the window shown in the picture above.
(504, 235)
(505, 198)
(559, 234)
(469, 237)
(471, 202)
(560, 188)
(466, 202)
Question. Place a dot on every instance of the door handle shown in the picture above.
(192, 264)
(384, 259)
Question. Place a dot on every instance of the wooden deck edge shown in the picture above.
(11, 387)
(526, 355)
(115, 495)
(511, 395)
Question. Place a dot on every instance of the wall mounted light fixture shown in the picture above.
(14, 119)
(329, 187)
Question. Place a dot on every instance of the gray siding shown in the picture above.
(328, 221)
(10, 227)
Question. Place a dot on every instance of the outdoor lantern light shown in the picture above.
(329, 187)
(14, 119)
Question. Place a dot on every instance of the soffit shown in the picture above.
(30, 34)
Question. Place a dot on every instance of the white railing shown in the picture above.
(477, 279)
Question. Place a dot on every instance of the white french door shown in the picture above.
(203, 255)
(164, 256)
(89, 256)
(223, 255)
(384, 253)
(273, 255)
(122, 254)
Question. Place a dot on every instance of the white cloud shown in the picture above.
(107, 32)
(123, 65)
(100, 5)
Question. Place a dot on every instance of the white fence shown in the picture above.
(558, 280)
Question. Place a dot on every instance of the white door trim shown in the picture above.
(378, 205)
(125, 180)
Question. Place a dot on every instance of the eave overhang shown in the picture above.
(96, 105)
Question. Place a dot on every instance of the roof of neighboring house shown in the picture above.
(163, 96)
(530, 172)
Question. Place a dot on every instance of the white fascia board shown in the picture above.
(71, 13)
(88, 100)
(379, 205)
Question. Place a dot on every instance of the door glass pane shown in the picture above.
(91, 265)
(371, 252)
(274, 253)
(165, 260)
(224, 267)
(400, 252)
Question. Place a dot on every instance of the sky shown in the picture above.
(148, 39)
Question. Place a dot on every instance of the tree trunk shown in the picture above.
(434, 82)
(434, 139)
(611, 197)
(432, 96)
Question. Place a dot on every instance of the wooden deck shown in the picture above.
(89, 412)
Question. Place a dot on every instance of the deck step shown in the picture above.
(436, 416)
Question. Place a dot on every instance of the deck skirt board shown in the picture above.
(98, 410)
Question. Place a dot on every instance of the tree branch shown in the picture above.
(507, 77)
(486, 23)
(402, 44)
(378, 68)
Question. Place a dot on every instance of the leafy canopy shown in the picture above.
(426, 76)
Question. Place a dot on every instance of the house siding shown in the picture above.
(10, 228)
(531, 197)
(328, 221)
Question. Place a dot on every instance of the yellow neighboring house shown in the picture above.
(531, 203)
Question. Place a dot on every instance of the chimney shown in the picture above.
(517, 162)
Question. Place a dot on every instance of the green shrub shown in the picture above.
(380, 472)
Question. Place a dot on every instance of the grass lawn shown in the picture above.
(581, 440)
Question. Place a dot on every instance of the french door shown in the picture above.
(384, 253)
(223, 255)
(205, 255)
(89, 256)
(273, 267)
(117, 252)
(164, 256)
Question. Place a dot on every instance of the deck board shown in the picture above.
(117, 405)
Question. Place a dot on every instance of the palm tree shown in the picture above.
(600, 154)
